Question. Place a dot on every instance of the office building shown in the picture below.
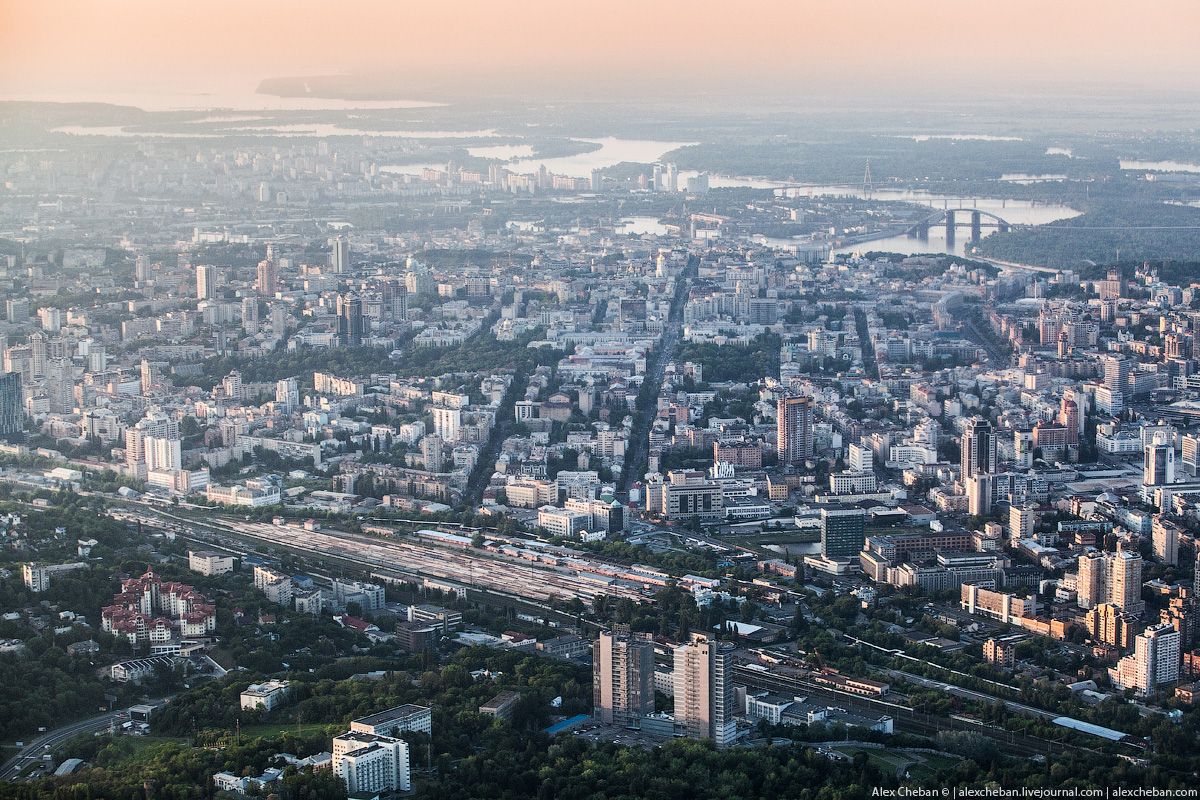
(1004, 606)
(622, 676)
(12, 406)
(1158, 463)
(860, 458)
(350, 320)
(794, 430)
(1118, 379)
(978, 446)
(689, 494)
(340, 258)
(843, 532)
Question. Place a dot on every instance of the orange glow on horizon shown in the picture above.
(82, 45)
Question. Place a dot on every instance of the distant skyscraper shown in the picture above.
(163, 453)
(97, 357)
(1158, 464)
(1118, 376)
(431, 453)
(978, 449)
(148, 376)
(206, 282)
(350, 320)
(12, 412)
(287, 394)
(704, 690)
(794, 429)
(267, 278)
(250, 315)
(622, 676)
(37, 354)
(60, 385)
(1069, 418)
(341, 255)
(279, 320)
(16, 310)
(1091, 580)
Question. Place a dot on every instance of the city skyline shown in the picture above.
(676, 400)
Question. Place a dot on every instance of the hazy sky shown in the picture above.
(89, 46)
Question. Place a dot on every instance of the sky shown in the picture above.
(90, 48)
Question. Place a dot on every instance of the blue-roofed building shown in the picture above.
(567, 724)
(1089, 728)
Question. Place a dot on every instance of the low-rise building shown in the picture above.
(209, 563)
(138, 669)
(501, 706)
(267, 695)
(395, 721)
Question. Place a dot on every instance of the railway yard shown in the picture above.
(508, 566)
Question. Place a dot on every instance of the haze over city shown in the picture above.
(609, 49)
(622, 400)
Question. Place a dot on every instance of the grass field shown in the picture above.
(270, 730)
(929, 766)
(891, 762)
(133, 749)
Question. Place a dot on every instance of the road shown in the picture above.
(987, 340)
(636, 458)
(505, 422)
(34, 749)
(870, 364)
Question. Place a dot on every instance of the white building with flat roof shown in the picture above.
(396, 720)
(266, 696)
(367, 762)
(209, 563)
